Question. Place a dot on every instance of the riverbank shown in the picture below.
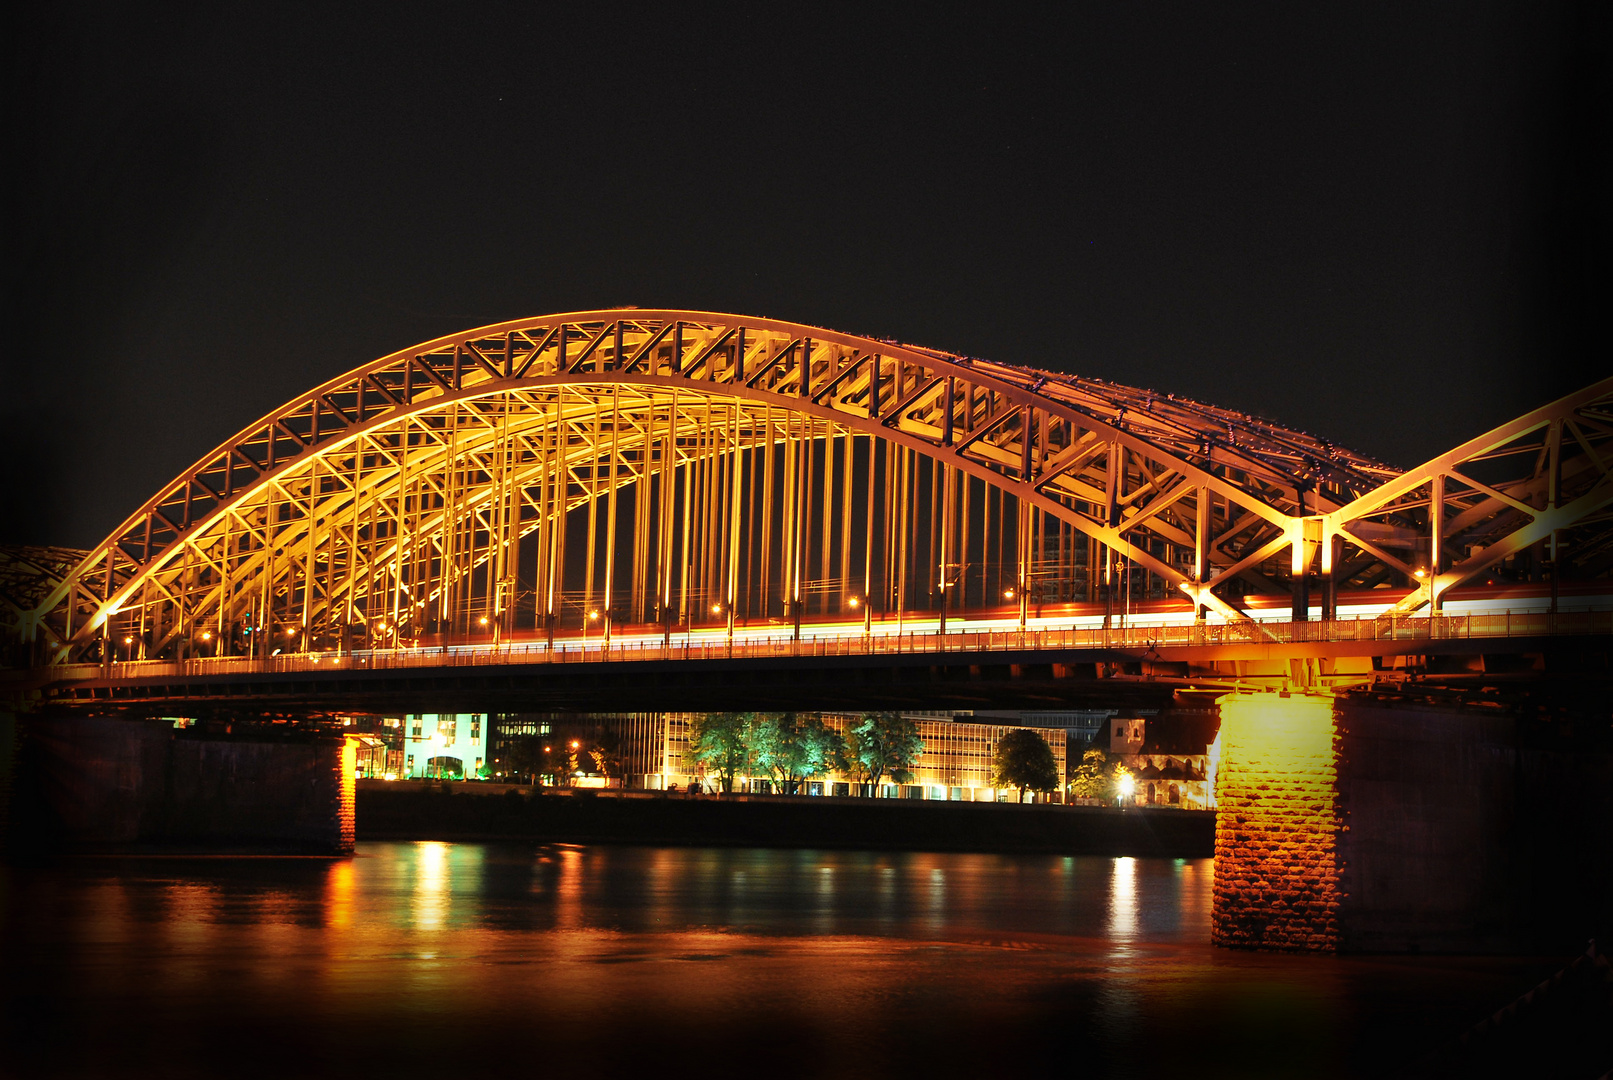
(476, 812)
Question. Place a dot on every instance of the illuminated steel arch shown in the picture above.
(1531, 500)
(661, 467)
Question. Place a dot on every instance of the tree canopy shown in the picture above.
(718, 741)
(1092, 779)
(792, 748)
(1025, 761)
(884, 743)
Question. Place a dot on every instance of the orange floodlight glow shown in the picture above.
(1277, 779)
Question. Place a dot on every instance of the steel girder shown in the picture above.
(1538, 488)
(1197, 495)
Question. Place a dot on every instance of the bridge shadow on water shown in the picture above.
(458, 959)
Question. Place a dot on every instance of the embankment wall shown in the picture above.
(452, 812)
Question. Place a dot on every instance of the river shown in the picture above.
(515, 960)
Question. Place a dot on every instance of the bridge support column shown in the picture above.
(1278, 823)
(90, 783)
(1358, 825)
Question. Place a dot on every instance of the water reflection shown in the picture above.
(1123, 900)
(607, 959)
(430, 896)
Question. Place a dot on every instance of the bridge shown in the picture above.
(678, 509)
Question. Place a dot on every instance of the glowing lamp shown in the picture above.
(593, 614)
(484, 620)
(1128, 786)
(853, 602)
(207, 635)
(1420, 573)
(128, 641)
(716, 609)
(1008, 594)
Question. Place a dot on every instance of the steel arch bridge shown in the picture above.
(637, 468)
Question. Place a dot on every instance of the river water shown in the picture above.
(507, 959)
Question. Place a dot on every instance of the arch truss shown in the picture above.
(1530, 501)
(606, 469)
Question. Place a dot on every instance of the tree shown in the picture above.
(1092, 779)
(717, 741)
(604, 749)
(1024, 760)
(559, 759)
(884, 743)
(521, 757)
(792, 748)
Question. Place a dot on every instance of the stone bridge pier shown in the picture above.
(119, 785)
(1359, 823)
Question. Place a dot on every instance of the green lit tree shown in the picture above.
(718, 741)
(792, 748)
(1092, 779)
(884, 744)
(1025, 761)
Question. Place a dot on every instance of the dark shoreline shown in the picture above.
(461, 812)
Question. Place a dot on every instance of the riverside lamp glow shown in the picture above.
(1128, 787)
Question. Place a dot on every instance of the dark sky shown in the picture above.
(1383, 223)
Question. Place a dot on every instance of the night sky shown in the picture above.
(1387, 224)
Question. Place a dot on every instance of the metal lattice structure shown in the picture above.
(1535, 493)
(678, 468)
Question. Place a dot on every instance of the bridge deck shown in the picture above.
(705, 670)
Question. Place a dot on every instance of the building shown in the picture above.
(444, 746)
(1168, 755)
(651, 750)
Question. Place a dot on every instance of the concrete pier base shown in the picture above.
(108, 784)
(1356, 825)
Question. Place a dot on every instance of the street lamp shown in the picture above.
(1128, 786)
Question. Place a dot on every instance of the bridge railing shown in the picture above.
(1129, 642)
